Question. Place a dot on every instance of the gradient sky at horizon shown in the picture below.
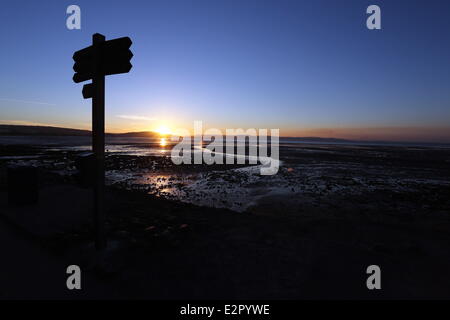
(306, 67)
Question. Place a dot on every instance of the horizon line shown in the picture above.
(305, 137)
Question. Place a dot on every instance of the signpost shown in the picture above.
(93, 63)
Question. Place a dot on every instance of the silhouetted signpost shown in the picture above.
(94, 63)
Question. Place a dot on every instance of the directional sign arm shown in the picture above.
(80, 77)
(114, 58)
(83, 64)
(118, 44)
(88, 90)
(83, 54)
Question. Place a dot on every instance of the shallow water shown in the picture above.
(306, 170)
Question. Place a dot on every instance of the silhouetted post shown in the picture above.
(94, 62)
(98, 142)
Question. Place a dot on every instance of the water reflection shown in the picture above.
(163, 142)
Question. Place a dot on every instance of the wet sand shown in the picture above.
(308, 232)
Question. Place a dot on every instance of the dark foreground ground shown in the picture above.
(304, 245)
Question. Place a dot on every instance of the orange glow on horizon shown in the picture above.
(426, 133)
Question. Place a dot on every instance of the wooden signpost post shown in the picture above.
(94, 63)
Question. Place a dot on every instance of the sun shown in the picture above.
(163, 130)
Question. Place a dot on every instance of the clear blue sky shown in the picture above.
(292, 65)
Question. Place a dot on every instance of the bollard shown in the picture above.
(22, 185)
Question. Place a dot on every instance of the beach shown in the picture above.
(226, 232)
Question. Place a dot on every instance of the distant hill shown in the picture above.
(20, 130)
(16, 130)
(317, 139)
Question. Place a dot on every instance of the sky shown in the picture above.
(305, 67)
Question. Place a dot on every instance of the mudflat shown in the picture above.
(210, 232)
